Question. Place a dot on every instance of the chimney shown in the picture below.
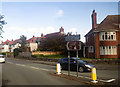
(94, 20)
(41, 34)
(61, 30)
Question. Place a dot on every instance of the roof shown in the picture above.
(52, 34)
(32, 40)
(16, 41)
(110, 23)
(8, 42)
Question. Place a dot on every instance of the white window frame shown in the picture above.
(91, 49)
(108, 50)
(107, 36)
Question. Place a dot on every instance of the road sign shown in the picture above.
(72, 38)
(74, 45)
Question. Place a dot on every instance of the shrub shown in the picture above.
(16, 51)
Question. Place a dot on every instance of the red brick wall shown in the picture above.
(97, 47)
(108, 56)
(118, 40)
(108, 43)
(91, 42)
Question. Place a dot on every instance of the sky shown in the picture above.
(34, 18)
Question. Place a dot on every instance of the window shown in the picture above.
(91, 49)
(107, 35)
(108, 50)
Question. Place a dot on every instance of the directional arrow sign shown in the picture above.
(74, 45)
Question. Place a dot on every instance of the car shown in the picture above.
(82, 65)
(2, 59)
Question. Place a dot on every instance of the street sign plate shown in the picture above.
(74, 45)
(72, 38)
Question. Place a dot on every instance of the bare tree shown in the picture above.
(2, 22)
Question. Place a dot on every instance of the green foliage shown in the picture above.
(48, 56)
(53, 43)
(23, 43)
(16, 51)
(4, 53)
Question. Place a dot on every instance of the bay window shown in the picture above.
(108, 50)
(107, 35)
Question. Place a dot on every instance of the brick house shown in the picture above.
(103, 40)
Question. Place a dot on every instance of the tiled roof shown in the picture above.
(32, 40)
(16, 41)
(110, 23)
(8, 42)
(52, 34)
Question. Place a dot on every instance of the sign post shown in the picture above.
(68, 63)
(73, 43)
(77, 63)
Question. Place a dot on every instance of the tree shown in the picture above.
(53, 43)
(2, 22)
(23, 43)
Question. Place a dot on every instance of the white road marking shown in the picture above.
(20, 64)
(110, 80)
(9, 62)
(34, 67)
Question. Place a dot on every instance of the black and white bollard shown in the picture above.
(58, 68)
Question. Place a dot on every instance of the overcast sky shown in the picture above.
(34, 18)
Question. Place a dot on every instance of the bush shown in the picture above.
(47, 56)
(4, 53)
(16, 51)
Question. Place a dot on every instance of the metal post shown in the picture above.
(77, 62)
(68, 63)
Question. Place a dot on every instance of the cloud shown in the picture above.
(60, 13)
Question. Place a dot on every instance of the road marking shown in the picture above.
(9, 62)
(45, 69)
(108, 81)
(20, 65)
(34, 67)
(111, 80)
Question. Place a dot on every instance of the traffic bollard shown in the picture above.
(94, 75)
(58, 68)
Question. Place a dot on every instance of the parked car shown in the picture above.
(82, 65)
(2, 59)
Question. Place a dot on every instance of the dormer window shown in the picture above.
(108, 36)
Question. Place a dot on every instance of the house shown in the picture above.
(32, 43)
(103, 40)
(9, 46)
(52, 41)
(61, 31)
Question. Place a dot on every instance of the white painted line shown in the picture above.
(34, 67)
(10, 62)
(110, 80)
(45, 69)
(20, 65)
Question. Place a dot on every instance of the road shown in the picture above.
(24, 72)
(21, 72)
